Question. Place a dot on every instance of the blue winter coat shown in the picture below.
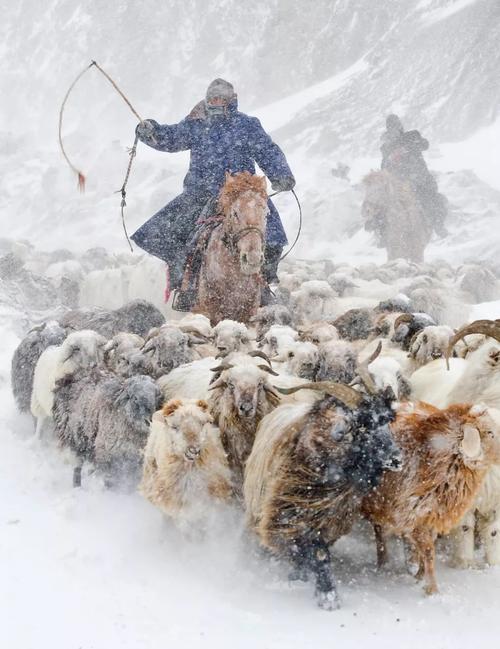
(233, 142)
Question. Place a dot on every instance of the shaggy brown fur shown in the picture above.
(184, 463)
(438, 481)
(392, 210)
(237, 432)
(230, 275)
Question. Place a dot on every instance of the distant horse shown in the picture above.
(230, 279)
(392, 211)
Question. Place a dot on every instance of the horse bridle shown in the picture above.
(232, 240)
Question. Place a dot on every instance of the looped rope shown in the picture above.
(300, 223)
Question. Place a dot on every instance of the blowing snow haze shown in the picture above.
(321, 76)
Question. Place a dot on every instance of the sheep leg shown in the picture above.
(424, 541)
(381, 543)
(462, 538)
(317, 557)
(489, 531)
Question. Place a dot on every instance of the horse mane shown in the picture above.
(236, 185)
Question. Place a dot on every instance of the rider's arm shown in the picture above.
(165, 137)
(268, 155)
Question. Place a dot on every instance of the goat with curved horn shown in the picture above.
(352, 398)
(489, 328)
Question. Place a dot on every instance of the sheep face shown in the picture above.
(137, 400)
(337, 362)
(244, 390)
(278, 340)
(82, 350)
(351, 446)
(169, 348)
(430, 343)
(231, 336)
(270, 315)
(303, 360)
(188, 425)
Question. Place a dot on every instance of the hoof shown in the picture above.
(431, 589)
(298, 574)
(328, 601)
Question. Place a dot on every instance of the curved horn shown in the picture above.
(352, 398)
(258, 353)
(404, 318)
(364, 373)
(219, 383)
(221, 367)
(489, 328)
(269, 370)
(195, 340)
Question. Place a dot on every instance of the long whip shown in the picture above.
(132, 151)
(300, 223)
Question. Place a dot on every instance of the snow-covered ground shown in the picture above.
(93, 569)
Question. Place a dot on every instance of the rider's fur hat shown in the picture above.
(220, 88)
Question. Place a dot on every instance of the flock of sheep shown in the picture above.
(334, 404)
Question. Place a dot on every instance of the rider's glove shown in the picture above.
(283, 184)
(146, 128)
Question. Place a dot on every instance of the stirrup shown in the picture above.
(183, 300)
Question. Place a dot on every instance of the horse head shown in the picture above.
(243, 201)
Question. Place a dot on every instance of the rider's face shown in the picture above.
(217, 101)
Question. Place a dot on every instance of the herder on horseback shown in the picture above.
(221, 139)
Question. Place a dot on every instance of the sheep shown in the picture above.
(185, 467)
(169, 347)
(407, 326)
(314, 300)
(81, 351)
(479, 282)
(337, 362)
(137, 316)
(306, 474)
(118, 345)
(270, 315)
(120, 415)
(195, 323)
(355, 324)
(277, 340)
(239, 397)
(188, 381)
(231, 336)
(26, 357)
(302, 360)
(430, 343)
(446, 454)
(105, 420)
(318, 332)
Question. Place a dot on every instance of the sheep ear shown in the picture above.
(471, 442)
(269, 370)
(202, 404)
(194, 340)
(171, 407)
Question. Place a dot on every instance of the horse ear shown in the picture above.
(228, 178)
(263, 183)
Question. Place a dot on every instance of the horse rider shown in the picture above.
(221, 139)
(402, 156)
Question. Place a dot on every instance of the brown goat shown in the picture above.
(445, 456)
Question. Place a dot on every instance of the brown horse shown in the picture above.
(230, 279)
(392, 211)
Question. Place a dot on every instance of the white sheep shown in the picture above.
(81, 351)
(302, 359)
(430, 343)
(314, 300)
(278, 340)
(231, 336)
(185, 467)
(318, 332)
